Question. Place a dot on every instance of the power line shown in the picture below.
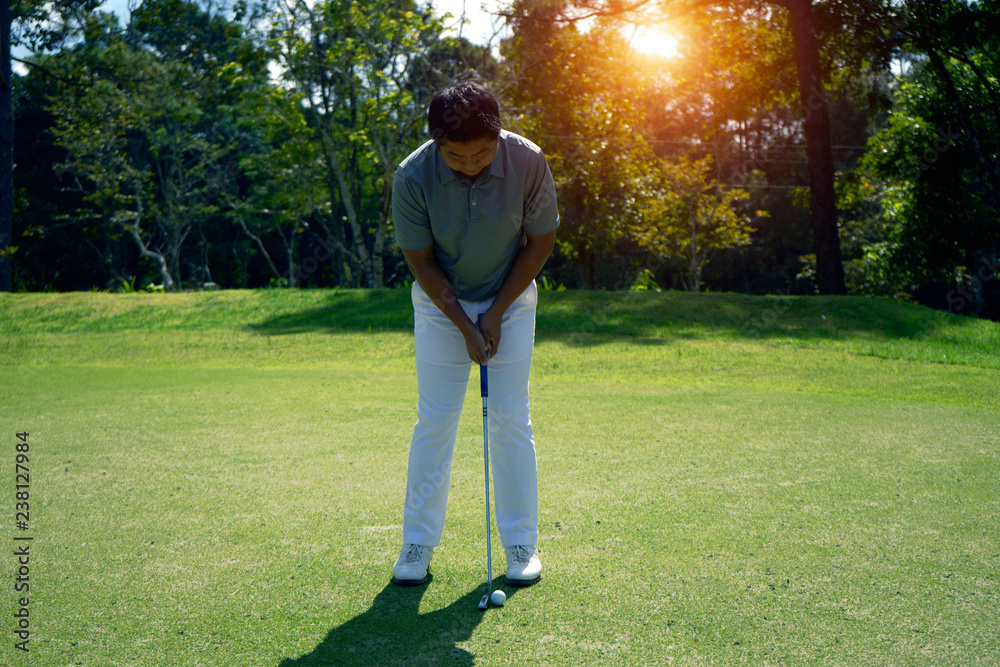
(674, 142)
(789, 154)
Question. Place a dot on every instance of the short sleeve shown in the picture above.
(409, 214)
(541, 214)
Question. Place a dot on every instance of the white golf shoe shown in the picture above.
(413, 567)
(523, 566)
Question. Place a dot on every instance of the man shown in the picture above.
(475, 214)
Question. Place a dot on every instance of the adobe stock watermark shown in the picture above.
(425, 488)
(960, 297)
(540, 204)
(943, 139)
(767, 318)
(600, 317)
(942, 142)
(814, 102)
(498, 417)
(311, 263)
(424, 317)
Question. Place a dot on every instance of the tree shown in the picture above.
(730, 94)
(349, 61)
(6, 148)
(99, 125)
(194, 137)
(284, 170)
(807, 57)
(938, 150)
(693, 218)
(39, 26)
(822, 201)
(572, 92)
(146, 127)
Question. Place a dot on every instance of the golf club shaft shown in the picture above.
(486, 467)
(484, 391)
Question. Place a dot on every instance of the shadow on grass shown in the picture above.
(586, 318)
(394, 632)
(345, 311)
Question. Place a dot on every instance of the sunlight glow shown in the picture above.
(653, 41)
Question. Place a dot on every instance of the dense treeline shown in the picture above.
(253, 143)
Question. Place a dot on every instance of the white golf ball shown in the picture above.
(498, 598)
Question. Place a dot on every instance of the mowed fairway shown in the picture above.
(218, 478)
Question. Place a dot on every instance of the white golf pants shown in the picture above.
(443, 369)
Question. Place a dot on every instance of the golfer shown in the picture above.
(475, 214)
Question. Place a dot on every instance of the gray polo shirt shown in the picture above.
(476, 227)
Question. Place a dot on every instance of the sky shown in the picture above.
(480, 26)
(478, 29)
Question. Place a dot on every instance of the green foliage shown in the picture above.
(175, 139)
(353, 64)
(693, 217)
(42, 25)
(126, 286)
(194, 142)
(870, 230)
(145, 139)
(937, 154)
(545, 284)
(285, 170)
(645, 281)
(573, 94)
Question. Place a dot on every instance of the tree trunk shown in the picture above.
(823, 203)
(340, 258)
(161, 261)
(144, 251)
(694, 272)
(360, 249)
(6, 148)
(290, 251)
(256, 239)
(378, 268)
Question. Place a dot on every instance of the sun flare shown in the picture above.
(653, 41)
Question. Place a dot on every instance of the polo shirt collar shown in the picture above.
(496, 169)
(444, 172)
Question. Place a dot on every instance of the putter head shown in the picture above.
(484, 602)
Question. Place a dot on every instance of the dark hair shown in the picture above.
(463, 113)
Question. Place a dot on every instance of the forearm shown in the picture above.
(438, 289)
(527, 265)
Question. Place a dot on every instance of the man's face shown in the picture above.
(469, 158)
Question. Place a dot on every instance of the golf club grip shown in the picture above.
(484, 390)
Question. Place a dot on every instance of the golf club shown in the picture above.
(484, 392)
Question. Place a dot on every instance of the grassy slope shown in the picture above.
(875, 327)
(725, 480)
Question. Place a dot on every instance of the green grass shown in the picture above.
(217, 480)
